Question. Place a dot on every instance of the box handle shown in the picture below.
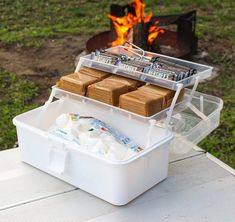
(58, 156)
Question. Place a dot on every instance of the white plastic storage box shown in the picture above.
(117, 182)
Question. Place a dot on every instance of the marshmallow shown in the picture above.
(100, 147)
(86, 140)
(116, 151)
(94, 136)
(62, 120)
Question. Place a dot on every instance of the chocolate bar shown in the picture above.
(156, 66)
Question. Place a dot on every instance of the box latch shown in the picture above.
(57, 157)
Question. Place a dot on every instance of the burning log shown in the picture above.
(140, 35)
(116, 11)
(122, 25)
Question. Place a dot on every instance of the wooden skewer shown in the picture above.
(130, 43)
(135, 53)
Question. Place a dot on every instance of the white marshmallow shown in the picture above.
(100, 147)
(95, 140)
(62, 120)
(94, 133)
(107, 138)
(84, 124)
(86, 140)
(116, 151)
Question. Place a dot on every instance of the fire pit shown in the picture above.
(172, 35)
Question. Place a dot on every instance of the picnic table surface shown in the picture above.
(199, 188)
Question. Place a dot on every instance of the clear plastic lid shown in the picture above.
(165, 77)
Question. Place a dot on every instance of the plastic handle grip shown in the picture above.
(57, 157)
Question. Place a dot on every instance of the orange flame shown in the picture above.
(154, 31)
(122, 25)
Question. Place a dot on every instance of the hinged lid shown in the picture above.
(110, 61)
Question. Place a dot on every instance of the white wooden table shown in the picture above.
(197, 189)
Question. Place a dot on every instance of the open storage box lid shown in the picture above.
(203, 71)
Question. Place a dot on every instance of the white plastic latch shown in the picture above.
(57, 158)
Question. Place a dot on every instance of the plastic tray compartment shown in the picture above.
(191, 124)
(124, 180)
(203, 71)
(183, 121)
(60, 94)
(187, 125)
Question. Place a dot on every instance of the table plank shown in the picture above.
(197, 189)
(213, 201)
(186, 150)
(21, 183)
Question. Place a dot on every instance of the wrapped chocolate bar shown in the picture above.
(156, 66)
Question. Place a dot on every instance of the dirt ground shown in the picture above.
(44, 66)
(57, 57)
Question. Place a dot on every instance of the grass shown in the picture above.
(15, 98)
(221, 142)
(35, 21)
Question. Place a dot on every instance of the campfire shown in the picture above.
(172, 35)
(124, 26)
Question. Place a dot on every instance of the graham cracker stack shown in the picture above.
(167, 94)
(142, 103)
(76, 82)
(148, 100)
(107, 91)
(131, 83)
(94, 73)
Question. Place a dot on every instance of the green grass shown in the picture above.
(15, 98)
(221, 142)
(29, 23)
